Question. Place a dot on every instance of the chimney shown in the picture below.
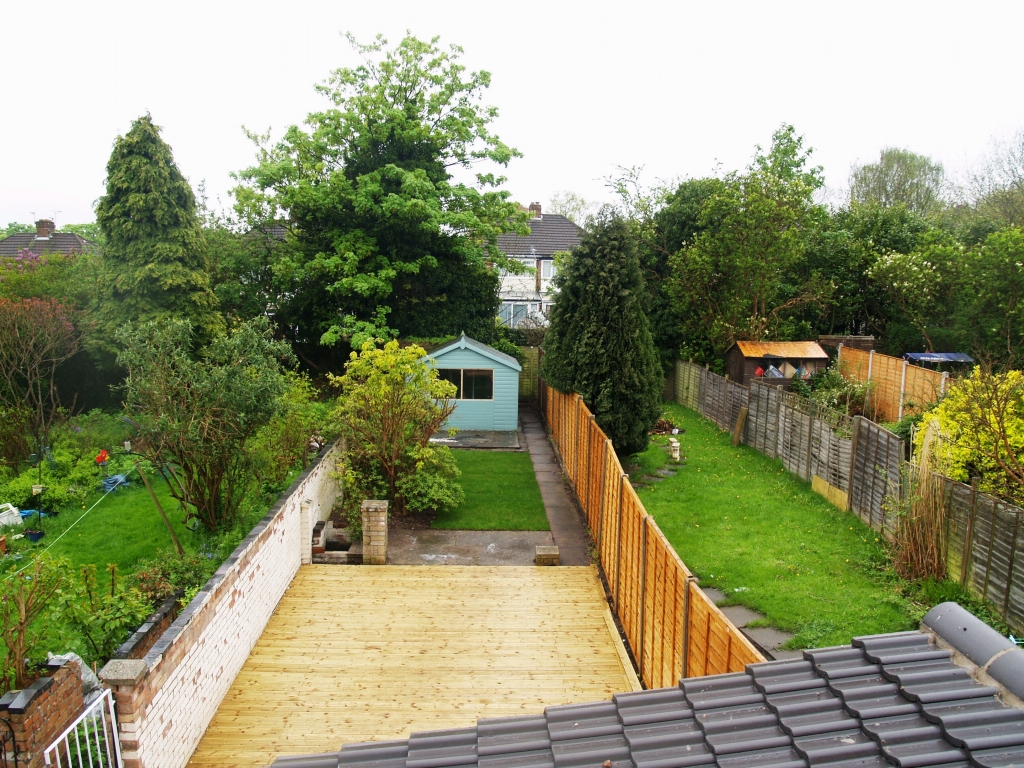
(44, 228)
(535, 211)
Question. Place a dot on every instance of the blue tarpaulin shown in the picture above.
(114, 481)
(938, 357)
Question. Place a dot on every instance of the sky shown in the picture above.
(680, 88)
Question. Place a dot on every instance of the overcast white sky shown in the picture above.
(582, 87)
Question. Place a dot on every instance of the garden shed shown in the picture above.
(790, 358)
(487, 381)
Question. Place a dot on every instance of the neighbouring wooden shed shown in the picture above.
(487, 382)
(791, 358)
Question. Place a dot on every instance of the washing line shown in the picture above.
(90, 509)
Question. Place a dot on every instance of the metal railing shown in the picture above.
(90, 741)
(8, 746)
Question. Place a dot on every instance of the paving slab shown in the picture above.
(716, 596)
(479, 439)
(740, 615)
(441, 547)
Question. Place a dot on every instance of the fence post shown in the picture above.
(867, 391)
(903, 388)
(853, 459)
(1009, 575)
(945, 379)
(623, 478)
(686, 625)
(810, 435)
(643, 592)
(965, 563)
(601, 504)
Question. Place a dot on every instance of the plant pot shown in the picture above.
(34, 536)
(3, 545)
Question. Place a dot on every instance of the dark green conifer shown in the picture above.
(155, 263)
(599, 343)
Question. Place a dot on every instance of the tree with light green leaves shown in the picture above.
(900, 177)
(382, 239)
(154, 264)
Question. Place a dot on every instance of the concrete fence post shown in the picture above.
(903, 389)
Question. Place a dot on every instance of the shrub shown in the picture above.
(103, 616)
(432, 484)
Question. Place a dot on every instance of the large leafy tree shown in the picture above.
(155, 265)
(380, 232)
(199, 411)
(900, 177)
(738, 275)
(599, 343)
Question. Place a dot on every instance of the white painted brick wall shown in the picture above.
(211, 640)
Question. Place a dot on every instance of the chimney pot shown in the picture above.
(45, 228)
(535, 210)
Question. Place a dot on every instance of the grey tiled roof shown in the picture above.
(58, 242)
(896, 699)
(548, 235)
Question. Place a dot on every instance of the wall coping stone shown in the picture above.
(123, 671)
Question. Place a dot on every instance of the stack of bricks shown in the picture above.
(40, 713)
(375, 532)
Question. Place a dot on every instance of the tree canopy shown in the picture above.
(900, 177)
(154, 260)
(599, 343)
(382, 238)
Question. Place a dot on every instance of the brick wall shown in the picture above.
(41, 712)
(166, 700)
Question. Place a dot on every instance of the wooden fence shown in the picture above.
(858, 464)
(673, 629)
(897, 388)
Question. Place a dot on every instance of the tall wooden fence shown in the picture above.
(674, 630)
(858, 465)
(897, 388)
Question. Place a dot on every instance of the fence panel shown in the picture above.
(875, 473)
(763, 432)
(896, 386)
(652, 590)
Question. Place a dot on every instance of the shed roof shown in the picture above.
(464, 342)
(910, 699)
(549, 234)
(803, 350)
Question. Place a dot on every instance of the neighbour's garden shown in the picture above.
(749, 528)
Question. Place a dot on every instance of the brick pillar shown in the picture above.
(375, 532)
(126, 678)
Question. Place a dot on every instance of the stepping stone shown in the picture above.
(767, 639)
(666, 472)
(716, 595)
(741, 615)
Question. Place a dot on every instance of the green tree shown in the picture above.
(900, 177)
(599, 343)
(155, 265)
(392, 403)
(199, 411)
(383, 235)
(738, 274)
(25, 597)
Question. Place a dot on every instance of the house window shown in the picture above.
(511, 313)
(454, 375)
(547, 270)
(470, 384)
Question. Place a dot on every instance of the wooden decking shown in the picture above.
(370, 653)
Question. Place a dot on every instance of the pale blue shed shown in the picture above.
(488, 384)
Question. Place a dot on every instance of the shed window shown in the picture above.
(472, 384)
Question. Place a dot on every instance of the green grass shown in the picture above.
(123, 528)
(746, 526)
(501, 494)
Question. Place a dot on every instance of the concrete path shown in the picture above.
(567, 527)
(440, 547)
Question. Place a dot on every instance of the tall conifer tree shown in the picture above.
(599, 343)
(155, 259)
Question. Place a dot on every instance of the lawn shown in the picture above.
(749, 528)
(123, 528)
(501, 494)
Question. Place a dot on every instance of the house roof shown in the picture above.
(549, 234)
(910, 699)
(464, 342)
(58, 242)
(802, 350)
